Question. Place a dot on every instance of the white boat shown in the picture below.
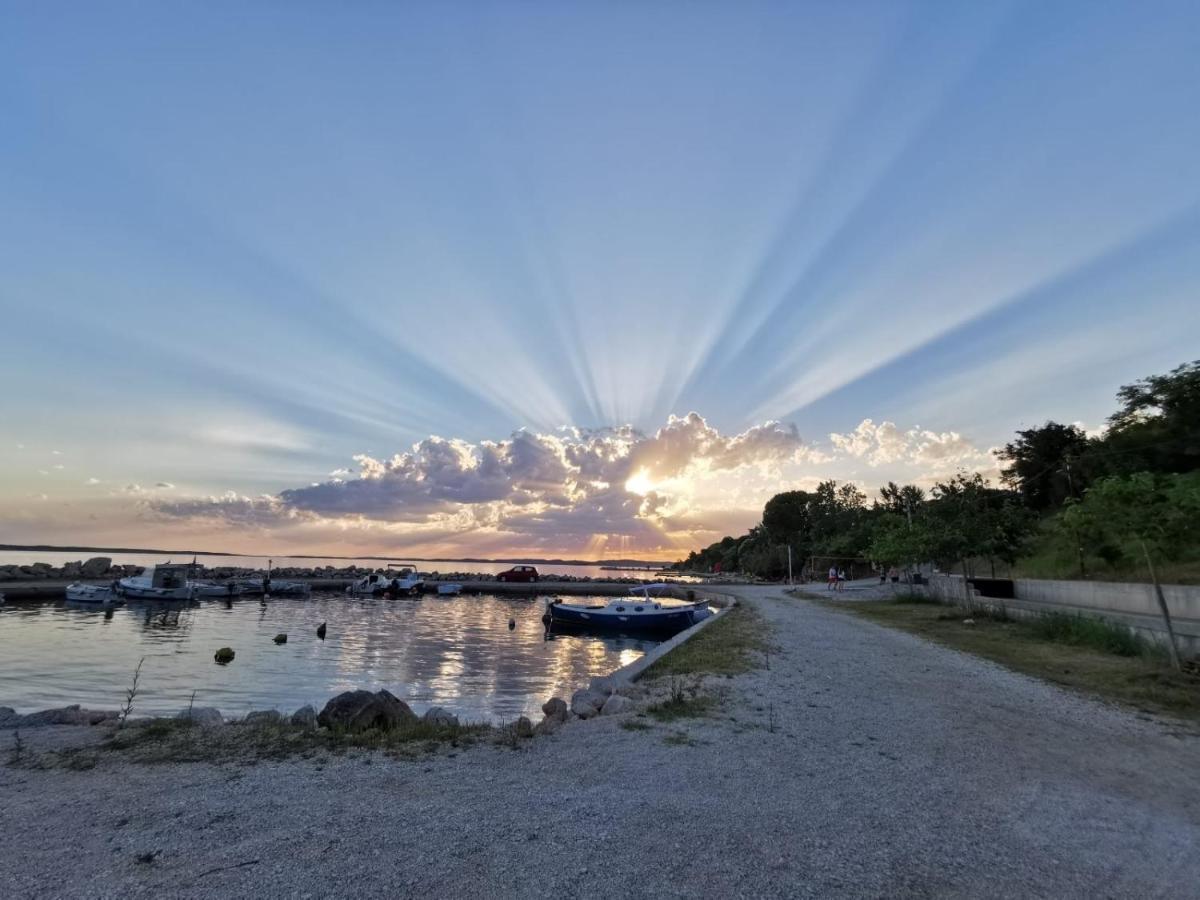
(449, 589)
(215, 589)
(405, 581)
(92, 593)
(272, 586)
(168, 581)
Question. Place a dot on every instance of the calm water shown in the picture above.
(458, 653)
(15, 558)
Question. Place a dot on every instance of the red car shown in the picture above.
(519, 573)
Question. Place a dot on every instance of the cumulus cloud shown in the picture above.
(538, 486)
(933, 452)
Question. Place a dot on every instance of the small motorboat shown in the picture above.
(215, 588)
(405, 581)
(449, 589)
(644, 615)
(168, 581)
(102, 594)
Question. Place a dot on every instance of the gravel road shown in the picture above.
(862, 762)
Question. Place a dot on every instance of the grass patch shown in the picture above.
(679, 739)
(636, 725)
(735, 643)
(1087, 655)
(682, 707)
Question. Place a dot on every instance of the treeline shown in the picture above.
(1129, 498)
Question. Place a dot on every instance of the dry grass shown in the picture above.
(1085, 656)
(735, 643)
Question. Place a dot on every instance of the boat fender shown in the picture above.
(512, 623)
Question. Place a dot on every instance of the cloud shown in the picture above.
(935, 453)
(164, 484)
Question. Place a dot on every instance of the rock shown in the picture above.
(281, 638)
(72, 570)
(7, 714)
(96, 567)
(556, 709)
(360, 710)
(224, 655)
(548, 725)
(305, 717)
(523, 728)
(604, 685)
(263, 717)
(615, 705)
(440, 716)
(586, 703)
(321, 631)
(66, 715)
(43, 568)
(204, 716)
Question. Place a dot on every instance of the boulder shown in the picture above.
(548, 725)
(281, 638)
(615, 705)
(556, 709)
(204, 716)
(44, 568)
(263, 717)
(440, 716)
(224, 655)
(586, 703)
(360, 710)
(523, 728)
(7, 715)
(96, 567)
(72, 570)
(305, 717)
(66, 715)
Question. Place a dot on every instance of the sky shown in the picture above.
(584, 279)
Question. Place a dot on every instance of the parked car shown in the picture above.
(519, 573)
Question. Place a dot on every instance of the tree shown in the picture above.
(1159, 513)
(786, 518)
(1157, 428)
(1044, 464)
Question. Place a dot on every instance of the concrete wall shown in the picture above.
(1133, 605)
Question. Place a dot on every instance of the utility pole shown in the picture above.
(1071, 491)
(790, 582)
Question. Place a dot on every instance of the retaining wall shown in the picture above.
(1132, 605)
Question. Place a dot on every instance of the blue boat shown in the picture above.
(625, 615)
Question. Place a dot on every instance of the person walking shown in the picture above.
(833, 578)
(841, 578)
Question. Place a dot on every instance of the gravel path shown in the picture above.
(863, 762)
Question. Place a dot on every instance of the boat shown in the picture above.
(449, 589)
(216, 589)
(168, 581)
(263, 586)
(406, 580)
(640, 615)
(103, 594)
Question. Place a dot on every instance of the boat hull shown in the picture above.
(660, 622)
(89, 593)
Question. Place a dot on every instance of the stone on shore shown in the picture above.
(263, 717)
(556, 708)
(548, 725)
(66, 715)
(438, 716)
(361, 710)
(204, 716)
(305, 717)
(615, 705)
(523, 728)
(587, 703)
(96, 567)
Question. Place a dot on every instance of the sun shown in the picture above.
(639, 483)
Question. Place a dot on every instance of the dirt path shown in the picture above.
(862, 762)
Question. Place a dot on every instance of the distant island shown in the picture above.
(603, 563)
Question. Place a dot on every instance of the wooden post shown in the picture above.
(1162, 606)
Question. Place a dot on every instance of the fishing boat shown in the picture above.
(102, 594)
(627, 615)
(216, 589)
(449, 589)
(167, 581)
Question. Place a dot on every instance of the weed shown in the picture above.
(678, 739)
(636, 725)
(131, 694)
(17, 754)
(1083, 631)
(733, 644)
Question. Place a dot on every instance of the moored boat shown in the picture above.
(406, 580)
(168, 581)
(102, 594)
(643, 615)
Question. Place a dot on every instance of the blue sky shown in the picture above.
(243, 244)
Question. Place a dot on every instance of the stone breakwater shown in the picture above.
(101, 567)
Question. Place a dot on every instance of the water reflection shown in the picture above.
(458, 653)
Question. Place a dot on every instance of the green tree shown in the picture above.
(1046, 465)
(1157, 428)
(1159, 513)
